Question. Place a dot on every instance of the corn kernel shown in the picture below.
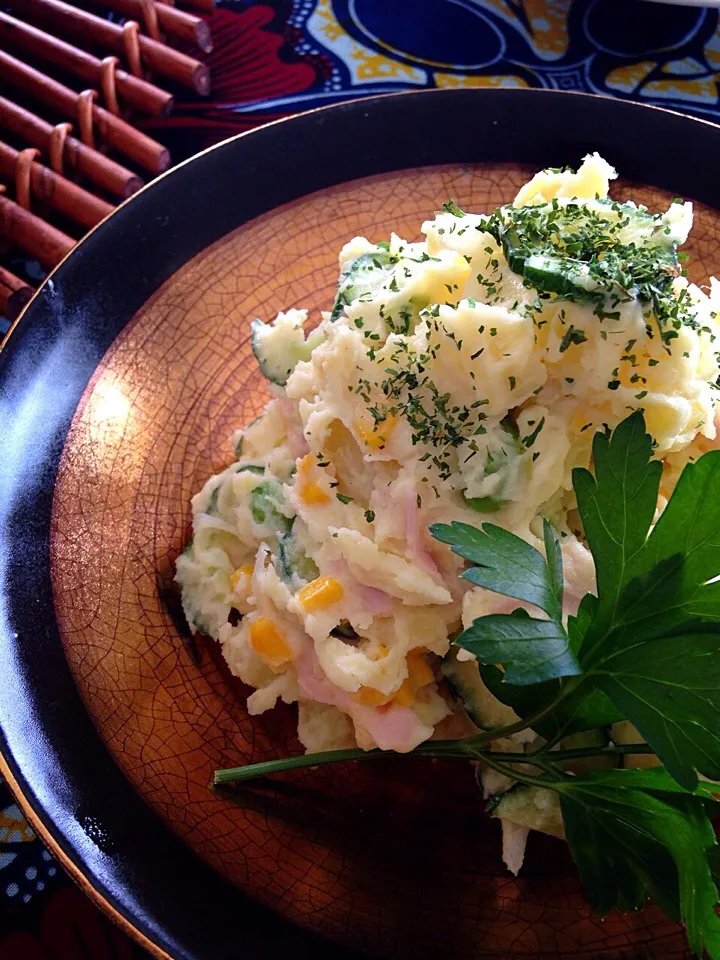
(312, 493)
(309, 490)
(267, 641)
(236, 576)
(369, 697)
(404, 695)
(419, 670)
(376, 435)
(320, 593)
(419, 675)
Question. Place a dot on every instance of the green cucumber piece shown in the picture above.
(292, 560)
(484, 504)
(361, 276)
(510, 448)
(265, 502)
(468, 690)
(277, 354)
(535, 808)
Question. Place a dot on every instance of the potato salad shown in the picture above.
(460, 377)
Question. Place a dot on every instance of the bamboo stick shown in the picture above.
(14, 294)
(134, 91)
(77, 23)
(57, 192)
(113, 130)
(41, 240)
(79, 159)
(174, 22)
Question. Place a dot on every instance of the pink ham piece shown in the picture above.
(417, 552)
(392, 728)
(370, 599)
(293, 428)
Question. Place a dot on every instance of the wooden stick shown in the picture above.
(41, 240)
(134, 91)
(57, 192)
(79, 159)
(174, 22)
(113, 130)
(77, 23)
(14, 294)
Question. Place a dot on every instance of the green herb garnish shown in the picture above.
(606, 254)
(645, 649)
(451, 207)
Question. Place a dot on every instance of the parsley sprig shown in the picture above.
(646, 648)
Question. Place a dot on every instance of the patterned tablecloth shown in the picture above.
(276, 57)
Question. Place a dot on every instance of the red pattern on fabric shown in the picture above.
(246, 62)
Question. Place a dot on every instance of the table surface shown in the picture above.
(277, 57)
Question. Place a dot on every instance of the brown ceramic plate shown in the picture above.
(119, 387)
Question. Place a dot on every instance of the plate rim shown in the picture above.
(70, 855)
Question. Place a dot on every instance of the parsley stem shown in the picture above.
(577, 753)
(436, 749)
(463, 749)
(514, 774)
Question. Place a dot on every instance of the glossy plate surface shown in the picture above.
(118, 390)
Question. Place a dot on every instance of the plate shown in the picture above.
(119, 387)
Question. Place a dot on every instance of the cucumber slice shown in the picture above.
(499, 459)
(484, 504)
(265, 502)
(535, 808)
(467, 688)
(280, 346)
(565, 277)
(362, 276)
(291, 560)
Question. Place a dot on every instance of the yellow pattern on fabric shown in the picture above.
(712, 50)
(626, 78)
(460, 80)
(14, 828)
(699, 89)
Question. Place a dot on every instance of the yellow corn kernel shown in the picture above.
(419, 675)
(375, 435)
(404, 695)
(419, 670)
(244, 571)
(313, 493)
(320, 593)
(309, 490)
(369, 697)
(267, 641)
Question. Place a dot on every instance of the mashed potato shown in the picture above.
(457, 378)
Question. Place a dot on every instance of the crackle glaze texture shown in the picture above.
(395, 857)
